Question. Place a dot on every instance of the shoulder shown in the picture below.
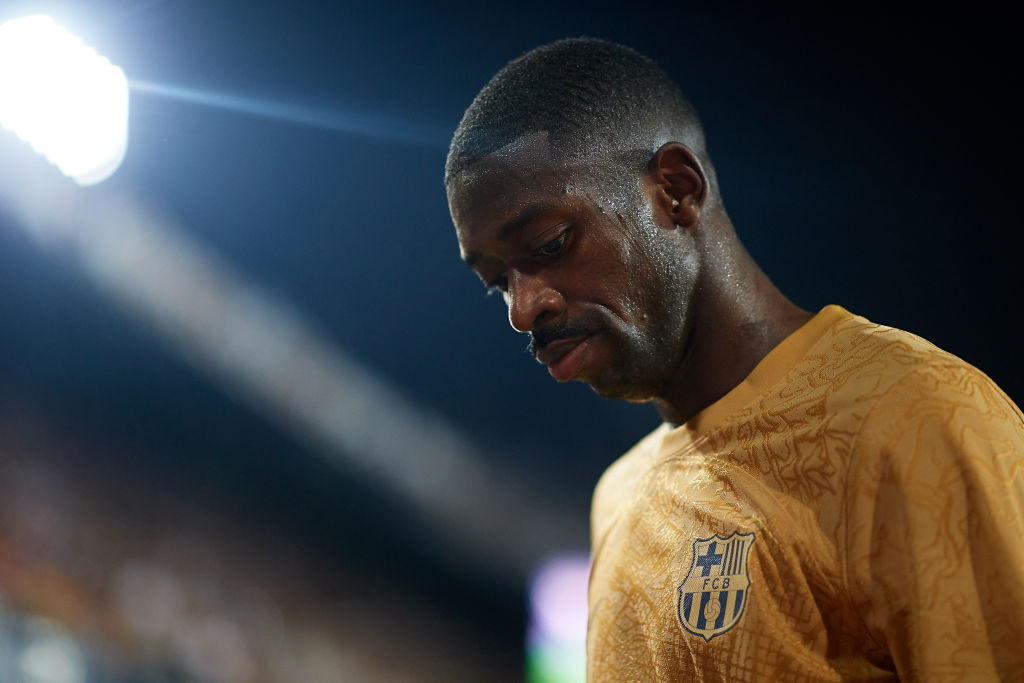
(871, 368)
(885, 400)
(618, 481)
(857, 347)
(925, 384)
(936, 416)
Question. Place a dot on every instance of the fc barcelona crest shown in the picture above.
(714, 593)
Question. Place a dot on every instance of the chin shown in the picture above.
(621, 390)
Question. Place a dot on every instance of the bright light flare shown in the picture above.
(64, 99)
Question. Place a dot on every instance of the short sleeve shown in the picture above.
(935, 526)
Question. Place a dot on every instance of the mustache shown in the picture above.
(552, 333)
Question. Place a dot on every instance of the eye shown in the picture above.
(500, 284)
(554, 247)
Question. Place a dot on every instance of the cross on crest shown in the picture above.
(709, 560)
(714, 593)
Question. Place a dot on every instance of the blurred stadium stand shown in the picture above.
(112, 576)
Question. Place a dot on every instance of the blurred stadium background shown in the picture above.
(258, 423)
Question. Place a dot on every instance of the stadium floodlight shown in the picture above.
(64, 99)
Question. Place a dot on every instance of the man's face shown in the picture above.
(600, 282)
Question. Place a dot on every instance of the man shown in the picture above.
(827, 499)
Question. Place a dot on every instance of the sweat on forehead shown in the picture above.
(531, 161)
(523, 156)
(527, 169)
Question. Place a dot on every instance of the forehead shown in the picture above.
(524, 176)
(525, 166)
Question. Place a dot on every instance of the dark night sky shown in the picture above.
(866, 160)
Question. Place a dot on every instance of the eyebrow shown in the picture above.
(525, 217)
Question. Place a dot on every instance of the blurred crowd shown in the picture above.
(107, 579)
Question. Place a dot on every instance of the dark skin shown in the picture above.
(636, 285)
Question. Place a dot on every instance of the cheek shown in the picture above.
(642, 286)
(621, 277)
(605, 266)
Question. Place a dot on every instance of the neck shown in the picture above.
(739, 316)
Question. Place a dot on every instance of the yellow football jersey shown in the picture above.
(853, 510)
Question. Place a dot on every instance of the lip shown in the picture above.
(564, 358)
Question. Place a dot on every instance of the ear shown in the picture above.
(682, 185)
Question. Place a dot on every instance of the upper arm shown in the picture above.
(935, 530)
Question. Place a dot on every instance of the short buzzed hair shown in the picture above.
(589, 95)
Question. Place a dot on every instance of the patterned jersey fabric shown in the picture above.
(853, 510)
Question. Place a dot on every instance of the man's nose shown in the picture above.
(531, 301)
